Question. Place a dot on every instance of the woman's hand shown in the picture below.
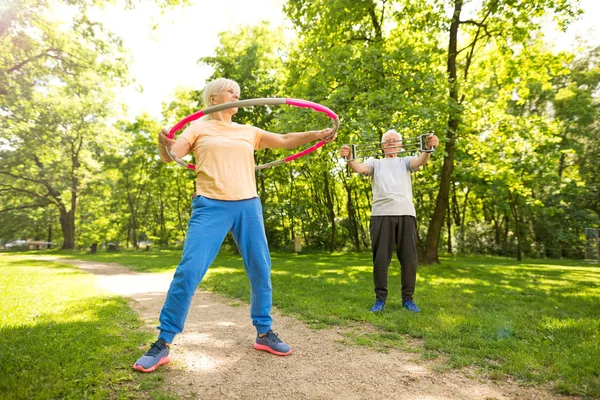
(163, 138)
(327, 135)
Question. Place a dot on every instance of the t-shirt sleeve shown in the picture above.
(407, 161)
(370, 162)
(191, 133)
(257, 137)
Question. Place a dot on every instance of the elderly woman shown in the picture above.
(225, 200)
(393, 219)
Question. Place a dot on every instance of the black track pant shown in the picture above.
(387, 232)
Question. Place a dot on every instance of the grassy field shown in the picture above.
(537, 321)
(62, 338)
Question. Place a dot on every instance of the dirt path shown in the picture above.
(214, 358)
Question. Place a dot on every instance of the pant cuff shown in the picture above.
(262, 329)
(167, 336)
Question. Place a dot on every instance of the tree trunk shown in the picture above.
(331, 211)
(352, 217)
(49, 236)
(519, 244)
(441, 203)
(561, 166)
(134, 232)
(164, 240)
(67, 224)
(261, 185)
(353, 221)
(360, 217)
(449, 226)
(506, 228)
(497, 230)
(132, 228)
(515, 210)
(462, 220)
(67, 218)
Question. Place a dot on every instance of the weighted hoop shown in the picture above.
(257, 102)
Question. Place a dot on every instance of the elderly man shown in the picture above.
(393, 218)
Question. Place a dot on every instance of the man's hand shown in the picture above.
(345, 151)
(432, 141)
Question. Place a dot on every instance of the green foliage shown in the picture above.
(38, 50)
(523, 158)
(372, 69)
(56, 82)
(520, 160)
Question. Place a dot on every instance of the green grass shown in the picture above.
(62, 338)
(537, 321)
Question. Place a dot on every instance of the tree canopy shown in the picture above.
(516, 173)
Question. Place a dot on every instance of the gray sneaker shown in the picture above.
(154, 358)
(271, 343)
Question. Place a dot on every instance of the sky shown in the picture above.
(166, 58)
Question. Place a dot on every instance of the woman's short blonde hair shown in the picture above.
(214, 87)
(388, 133)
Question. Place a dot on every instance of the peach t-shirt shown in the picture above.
(224, 154)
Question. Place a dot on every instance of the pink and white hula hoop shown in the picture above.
(251, 103)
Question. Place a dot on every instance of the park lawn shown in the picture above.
(536, 320)
(62, 338)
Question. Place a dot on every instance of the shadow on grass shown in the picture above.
(139, 261)
(89, 356)
(31, 262)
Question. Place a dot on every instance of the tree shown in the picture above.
(55, 87)
(512, 145)
(366, 60)
(134, 171)
(54, 155)
(506, 23)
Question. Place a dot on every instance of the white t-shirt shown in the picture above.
(392, 186)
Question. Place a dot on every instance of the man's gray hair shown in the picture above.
(388, 133)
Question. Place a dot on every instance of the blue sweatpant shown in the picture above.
(210, 222)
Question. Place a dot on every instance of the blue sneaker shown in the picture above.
(154, 358)
(270, 342)
(378, 307)
(410, 306)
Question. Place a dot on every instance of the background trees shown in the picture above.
(516, 173)
(55, 91)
